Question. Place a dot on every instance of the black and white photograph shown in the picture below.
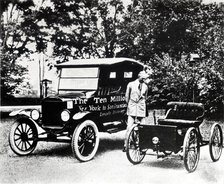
(111, 91)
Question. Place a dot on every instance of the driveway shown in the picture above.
(53, 163)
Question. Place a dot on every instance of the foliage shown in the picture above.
(66, 25)
(81, 29)
(161, 26)
(161, 34)
(20, 36)
(109, 13)
(212, 91)
(10, 77)
(184, 81)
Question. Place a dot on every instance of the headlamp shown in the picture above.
(35, 114)
(179, 131)
(155, 140)
(65, 115)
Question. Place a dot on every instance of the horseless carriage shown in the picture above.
(90, 99)
(178, 134)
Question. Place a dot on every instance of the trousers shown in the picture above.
(131, 120)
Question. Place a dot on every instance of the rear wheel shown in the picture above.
(191, 150)
(215, 142)
(85, 141)
(134, 154)
(23, 137)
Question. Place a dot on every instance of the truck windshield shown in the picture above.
(78, 79)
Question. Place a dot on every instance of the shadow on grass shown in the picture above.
(169, 163)
(110, 145)
(53, 149)
(64, 149)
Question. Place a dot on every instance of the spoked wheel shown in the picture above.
(134, 154)
(23, 137)
(215, 142)
(85, 141)
(191, 149)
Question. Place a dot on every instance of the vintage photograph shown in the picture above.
(111, 91)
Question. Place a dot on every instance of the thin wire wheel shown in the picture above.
(215, 142)
(134, 154)
(191, 149)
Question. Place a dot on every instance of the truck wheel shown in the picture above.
(85, 141)
(23, 137)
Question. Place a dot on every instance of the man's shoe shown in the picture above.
(124, 149)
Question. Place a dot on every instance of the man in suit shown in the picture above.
(136, 95)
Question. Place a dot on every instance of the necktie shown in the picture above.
(140, 87)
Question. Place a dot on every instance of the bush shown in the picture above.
(181, 81)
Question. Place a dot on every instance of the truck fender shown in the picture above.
(20, 112)
(80, 115)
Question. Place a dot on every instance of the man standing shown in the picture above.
(136, 95)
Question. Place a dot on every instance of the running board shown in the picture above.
(61, 140)
(53, 127)
(113, 130)
(115, 123)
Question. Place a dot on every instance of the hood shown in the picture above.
(70, 96)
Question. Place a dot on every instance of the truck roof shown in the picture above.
(96, 62)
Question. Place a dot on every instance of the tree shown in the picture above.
(154, 27)
(82, 29)
(110, 17)
(16, 30)
(75, 29)
(163, 34)
(66, 25)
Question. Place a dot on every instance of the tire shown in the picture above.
(191, 150)
(85, 141)
(23, 137)
(215, 142)
(133, 152)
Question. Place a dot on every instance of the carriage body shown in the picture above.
(170, 131)
(160, 138)
(178, 134)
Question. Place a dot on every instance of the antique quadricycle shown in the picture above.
(178, 134)
(90, 99)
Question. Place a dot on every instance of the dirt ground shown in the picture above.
(53, 163)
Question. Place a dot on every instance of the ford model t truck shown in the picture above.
(90, 99)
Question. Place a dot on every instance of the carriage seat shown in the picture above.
(183, 114)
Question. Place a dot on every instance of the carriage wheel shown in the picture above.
(215, 142)
(85, 141)
(23, 137)
(191, 149)
(134, 154)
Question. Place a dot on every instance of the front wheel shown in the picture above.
(23, 137)
(134, 154)
(215, 142)
(85, 141)
(191, 149)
